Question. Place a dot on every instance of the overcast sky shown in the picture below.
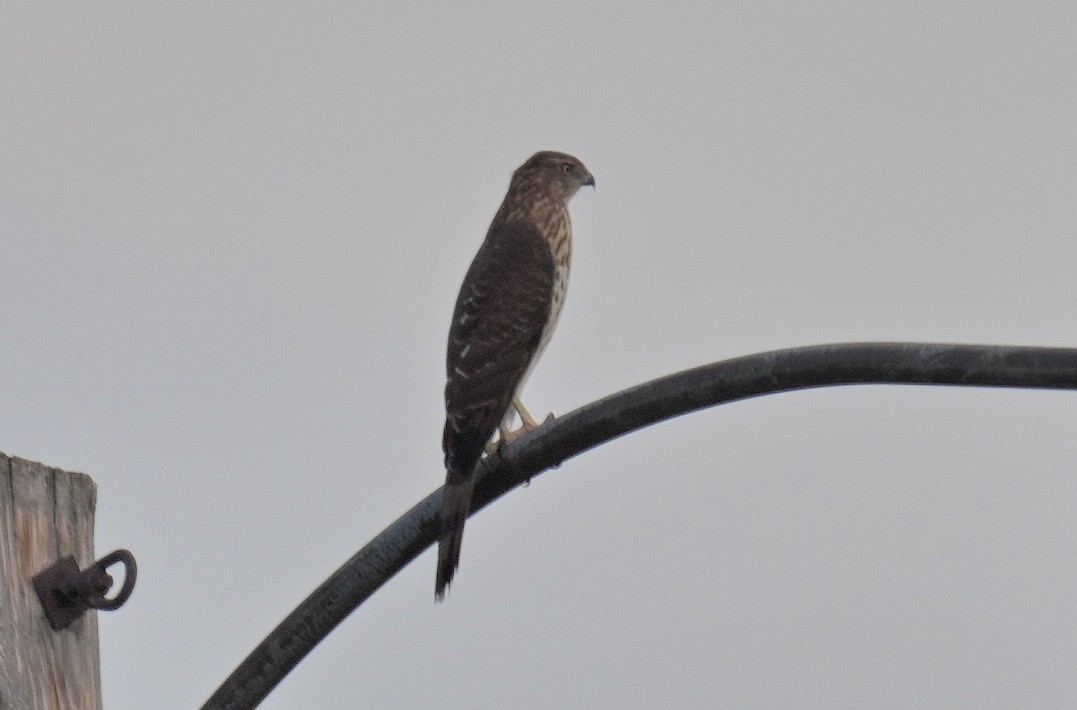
(230, 242)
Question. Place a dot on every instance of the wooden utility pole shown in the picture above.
(45, 514)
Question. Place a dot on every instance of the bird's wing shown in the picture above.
(503, 307)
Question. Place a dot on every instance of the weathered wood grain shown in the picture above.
(45, 513)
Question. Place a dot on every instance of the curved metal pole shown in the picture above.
(616, 415)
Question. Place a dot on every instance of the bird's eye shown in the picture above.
(566, 167)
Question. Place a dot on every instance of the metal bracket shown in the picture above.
(66, 592)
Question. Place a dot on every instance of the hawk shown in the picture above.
(505, 314)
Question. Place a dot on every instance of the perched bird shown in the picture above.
(504, 317)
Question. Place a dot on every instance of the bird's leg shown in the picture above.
(527, 422)
(507, 435)
(504, 434)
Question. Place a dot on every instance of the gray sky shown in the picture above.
(230, 241)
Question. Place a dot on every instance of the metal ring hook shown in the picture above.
(94, 581)
(66, 592)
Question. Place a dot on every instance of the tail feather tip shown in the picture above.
(454, 512)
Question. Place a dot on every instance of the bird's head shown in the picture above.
(561, 173)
